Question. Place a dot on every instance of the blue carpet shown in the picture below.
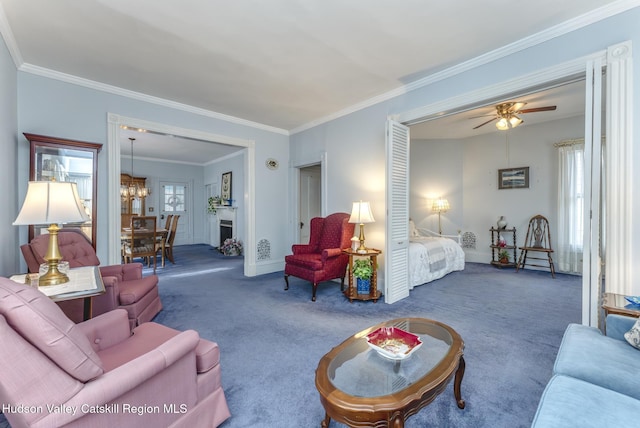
(271, 340)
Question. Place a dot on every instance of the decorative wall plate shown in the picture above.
(272, 163)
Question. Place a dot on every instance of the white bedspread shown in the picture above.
(432, 258)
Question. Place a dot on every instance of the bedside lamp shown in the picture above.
(361, 213)
(51, 202)
(440, 206)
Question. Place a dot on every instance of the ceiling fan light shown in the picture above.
(515, 121)
(502, 124)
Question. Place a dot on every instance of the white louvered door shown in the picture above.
(396, 284)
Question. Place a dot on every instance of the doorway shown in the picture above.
(310, 198)
(617, 126)
(114, 125)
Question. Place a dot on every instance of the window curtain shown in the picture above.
(570, 205)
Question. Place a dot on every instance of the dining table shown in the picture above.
(161, 236)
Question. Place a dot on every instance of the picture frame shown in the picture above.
(225, 188)
(513, 178)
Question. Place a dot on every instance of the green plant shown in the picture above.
(503, 255)
(362, 268)
(213, 203)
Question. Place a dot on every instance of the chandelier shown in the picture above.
(133, 189)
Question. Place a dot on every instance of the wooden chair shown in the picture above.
(167, 225)
(142, 241)
(168, 248)
(538, 240)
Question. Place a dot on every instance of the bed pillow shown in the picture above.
(413, 231)
(633, 335)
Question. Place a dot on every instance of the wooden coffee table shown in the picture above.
(360, 388)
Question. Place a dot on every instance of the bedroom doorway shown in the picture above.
(617, 59)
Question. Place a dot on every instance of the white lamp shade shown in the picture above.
(440, 205)
(50, 202)
(361, 213)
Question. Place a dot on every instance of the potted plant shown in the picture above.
(231, 247)
(503, 256)
(213, 203)
(362, 271)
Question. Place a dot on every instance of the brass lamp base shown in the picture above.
(53, 257)
(361, 248)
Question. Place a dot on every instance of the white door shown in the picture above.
(175, 199)
(310, 198)
(396, 270)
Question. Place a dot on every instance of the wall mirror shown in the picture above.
(67, 160)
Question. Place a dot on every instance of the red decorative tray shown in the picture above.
(393, 343)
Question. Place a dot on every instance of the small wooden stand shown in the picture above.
(352, 292)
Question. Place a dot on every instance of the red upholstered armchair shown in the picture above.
(125, 286)
(321, 259)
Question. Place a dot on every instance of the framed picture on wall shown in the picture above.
(513, 178)
(225, 191)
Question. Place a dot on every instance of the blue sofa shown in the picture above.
(596, 379)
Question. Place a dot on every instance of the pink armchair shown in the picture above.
(321, 259)
(124, 284)
(100, 374)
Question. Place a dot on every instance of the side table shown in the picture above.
(617, 304)
(352, 292)
(84, 283)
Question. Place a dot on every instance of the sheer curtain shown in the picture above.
(570, 205)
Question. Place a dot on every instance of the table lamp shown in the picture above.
(51, 202)
(361, 213)
(440, 206)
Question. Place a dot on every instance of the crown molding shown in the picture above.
(527, 42)
(75, 80)
(9, 39)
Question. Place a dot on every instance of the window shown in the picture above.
(174, 198)
(570, 205)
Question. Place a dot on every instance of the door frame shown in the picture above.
(115, 123)
(618, 128)
(294, 179)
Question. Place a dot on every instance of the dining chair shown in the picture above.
(142, 240)
(168, 248)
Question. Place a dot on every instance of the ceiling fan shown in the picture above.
(507, 115)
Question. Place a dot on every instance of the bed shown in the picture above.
(432, 256)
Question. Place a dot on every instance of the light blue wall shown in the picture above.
(55, 108)
(9, 251)
(355, 144)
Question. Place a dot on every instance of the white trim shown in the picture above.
(522, 85)
(9, 39)
(294, 176)
(114, 123)
(576, 23)
(98, 86)
(619, 169)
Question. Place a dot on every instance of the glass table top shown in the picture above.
(360, 371)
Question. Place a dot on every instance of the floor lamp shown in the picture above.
(52, 203)
(440, 206)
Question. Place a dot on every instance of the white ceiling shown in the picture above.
(284, 64)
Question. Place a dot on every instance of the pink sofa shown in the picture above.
(98, 373)
(125, 285)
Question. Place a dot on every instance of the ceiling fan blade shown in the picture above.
(483, 124)
(537, 109)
